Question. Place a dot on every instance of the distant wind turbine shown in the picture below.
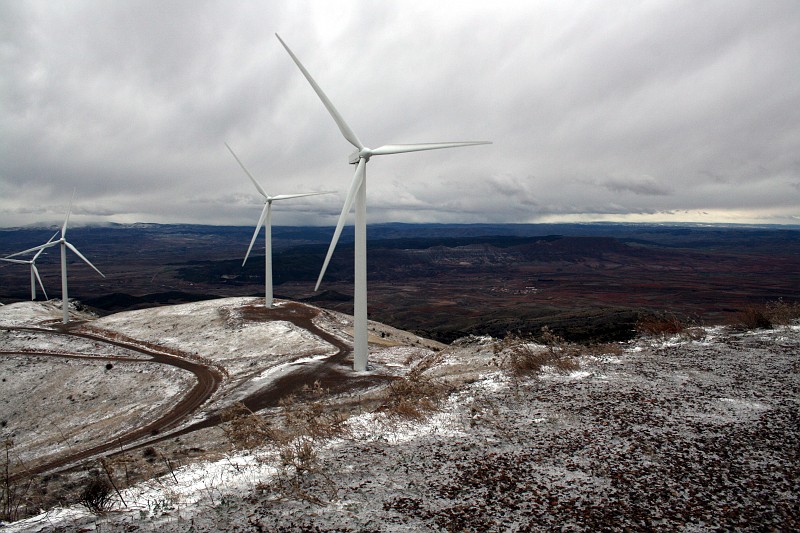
(358, 193)
(266, 221)
(64, 244)
(34, 271)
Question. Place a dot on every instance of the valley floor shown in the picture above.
(690, 434)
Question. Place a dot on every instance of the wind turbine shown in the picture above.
(34, 271)
(266, 221)
(358, 193)
(64, 244)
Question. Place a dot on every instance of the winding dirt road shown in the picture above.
(207, 378)
(332, 373)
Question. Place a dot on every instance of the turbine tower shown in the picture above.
(358, 193)
(266, 221)
(34, 271)
(64, 244)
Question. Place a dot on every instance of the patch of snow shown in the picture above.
(215, 330)
(744, 405)
(674, 422)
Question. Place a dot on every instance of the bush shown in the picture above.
(774, 313)
(752, 318)
(523, 358)
(245, 429)
(416, 394)
(150, 454)
(782, 313)
(96, 495)
(13, 494)
(660, 325)
(317, 417)
(300, 474)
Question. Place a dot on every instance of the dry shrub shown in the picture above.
(96, 495)
(300, 473)
(416, 395)
(660, 325)
(245, 429)
(14, 494)
(782, 313)
(604, 348)
(774, 313)
(294, 435)
(150, 454)
(752, 318)
(523, 358)
(318, 418)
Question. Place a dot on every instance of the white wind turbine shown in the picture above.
(34, 271)
(64, 244)
(358, 193)
(266, 221)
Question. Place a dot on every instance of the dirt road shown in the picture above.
(332, 373)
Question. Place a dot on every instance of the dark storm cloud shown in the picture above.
(623, 110)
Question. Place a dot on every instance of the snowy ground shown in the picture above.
(215, 329)
(668, 434)
(94, 402)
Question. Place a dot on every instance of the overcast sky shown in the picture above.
(598, 110)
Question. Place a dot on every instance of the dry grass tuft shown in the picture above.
(752, 318)
(416, 395)
(245, 429)
(295, 436)
(523, 358)
(317, 417)
(15, 500)
(774, 313)
(96, 495)
(661, 325)
(605, 348)
(782, 313)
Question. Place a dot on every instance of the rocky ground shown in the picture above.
(690, 433)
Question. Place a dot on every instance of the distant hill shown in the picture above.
(441, 280)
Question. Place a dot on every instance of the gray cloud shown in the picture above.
(639, 185)
(686, 110)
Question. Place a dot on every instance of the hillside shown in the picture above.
(697, 431)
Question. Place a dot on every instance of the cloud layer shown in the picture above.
(625, 110)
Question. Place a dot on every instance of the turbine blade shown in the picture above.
(34, 249)
(348, 203)
(263, 193)
(35, 257)
(84, 259)
(66, 220)
(404, 148)
(348, 133)
(39, 278)
(300, 195)
(255, 233)
(18, 261)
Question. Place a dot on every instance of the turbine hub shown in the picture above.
(364, 154)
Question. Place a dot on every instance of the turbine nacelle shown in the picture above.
(359, 154)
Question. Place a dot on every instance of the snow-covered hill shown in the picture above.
(685, 433)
